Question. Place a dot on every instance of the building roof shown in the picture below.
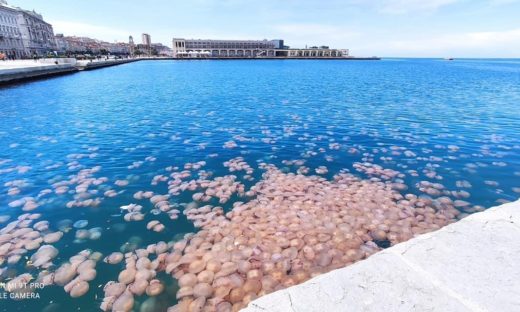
(34, 14)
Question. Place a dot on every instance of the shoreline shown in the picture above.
(46, 69)
(23, 74)
(276, 58)
(437, 271)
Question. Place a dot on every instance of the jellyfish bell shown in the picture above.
(64, 274)
(127, 276)
(187, 280)
(184, 292)
(87, 274)
(80, 224)
(52, 237)
(79, 289)
(95, 233)
(114, 289)
(138, 287)
(197, 266)
(206, 276)
(124, 303)
(202, 290)
(114, 258)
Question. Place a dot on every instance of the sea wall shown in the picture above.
(470, 265)
(88, 65)
(34, 71)
(20, 70)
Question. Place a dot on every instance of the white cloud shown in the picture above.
(69, 28)
(472, 44)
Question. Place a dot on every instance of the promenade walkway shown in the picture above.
(470, 265)
(19, 70)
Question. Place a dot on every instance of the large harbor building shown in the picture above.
(200, 48)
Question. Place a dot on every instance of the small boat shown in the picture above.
(448, 58)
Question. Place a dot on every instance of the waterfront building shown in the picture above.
(146, 44)
(142, 49)
(24, 33)
(62, 44)
(146, 39)
(131, 45)
(154, 49)
(37, 35)
(86, 45)
(118, 48)
(11, 44)
(161, 50)
(248, 48)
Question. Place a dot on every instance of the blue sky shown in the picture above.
(421, 28)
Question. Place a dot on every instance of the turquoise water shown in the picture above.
(455, 123)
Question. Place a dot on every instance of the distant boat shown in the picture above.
(448, 58)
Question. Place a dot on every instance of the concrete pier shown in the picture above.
(470, 265)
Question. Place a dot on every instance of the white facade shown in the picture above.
(318, 52)
(179, 47)
(11, 44)
(85, 45)
(62, 44)
(146, 39)
(37, 35)
(189, 48)
(131, 45)
(24, 33)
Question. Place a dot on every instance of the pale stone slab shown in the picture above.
(478, 259)
(510, 211)
(381, 283)
(471, 265)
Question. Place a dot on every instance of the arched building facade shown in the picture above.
(208, 48)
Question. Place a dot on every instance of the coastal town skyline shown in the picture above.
(486, 28)
(26, 34)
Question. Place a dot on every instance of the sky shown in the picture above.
(398, 28)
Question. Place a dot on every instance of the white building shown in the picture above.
(131, 45)
(37, 35)
(11, 44)
(161, 50)
(183, 48)
(62, 44)
(86, 45)
(24, 33)
(146, 39)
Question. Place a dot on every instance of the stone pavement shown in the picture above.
(470, 265)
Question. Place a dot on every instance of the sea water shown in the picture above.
(456, 123)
